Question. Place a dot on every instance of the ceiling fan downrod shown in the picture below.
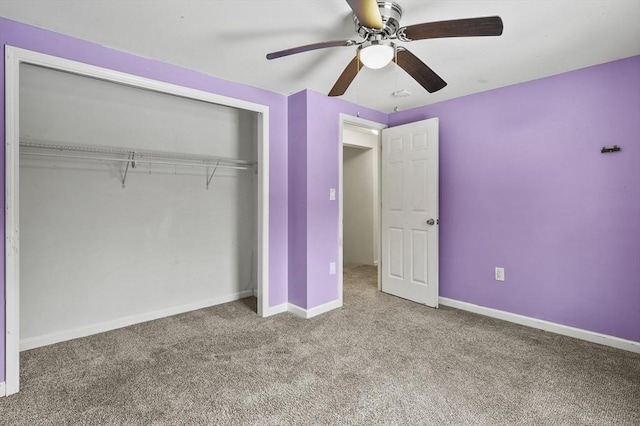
(391, 13)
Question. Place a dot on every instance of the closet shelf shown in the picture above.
(133, 157)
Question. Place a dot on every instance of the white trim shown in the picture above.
(340, 268)
(319, 310)
(278, 309)
(357, 121)
(62, 336)
(14, 57)
(297, 310)
(3, 389)
(565, 330)
(105, 74)
(263, 215)
(12, 260)
(314, 312)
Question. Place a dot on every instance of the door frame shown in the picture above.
(13, 58)
(361, 122)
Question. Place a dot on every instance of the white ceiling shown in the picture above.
(229, 39)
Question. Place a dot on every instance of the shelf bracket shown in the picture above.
(126, 168)
(212, 173)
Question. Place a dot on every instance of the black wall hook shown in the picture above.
(614, 148)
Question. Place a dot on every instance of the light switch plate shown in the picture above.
(332, 194)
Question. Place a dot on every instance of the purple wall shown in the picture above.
(28, 37)
(298, 199)
(319, 170)
(524, 186)
(323, 150)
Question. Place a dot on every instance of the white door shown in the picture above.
(410, 211)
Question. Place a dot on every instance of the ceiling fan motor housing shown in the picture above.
(391, 13)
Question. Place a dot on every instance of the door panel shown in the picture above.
(409, 247)
(396, 252)
(418, 264)
(419, 187)
(395, 145)
(395, 196)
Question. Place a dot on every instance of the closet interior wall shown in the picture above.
(360, 187)
(93, 252)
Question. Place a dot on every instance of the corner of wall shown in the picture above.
(297, 203)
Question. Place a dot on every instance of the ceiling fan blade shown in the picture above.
(367, 13)
(345, 79)
(419, 71)
(308, 47)
(472, 27)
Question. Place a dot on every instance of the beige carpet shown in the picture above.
(379, 360)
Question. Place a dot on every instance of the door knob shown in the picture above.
(431, 222)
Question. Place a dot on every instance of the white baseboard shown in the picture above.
(565, 330)
(278, 309)
(318, 310)
(297, 310)
(49, 339)
(3, 389)
(313, 312)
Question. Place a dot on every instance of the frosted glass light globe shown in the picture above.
(376, 55)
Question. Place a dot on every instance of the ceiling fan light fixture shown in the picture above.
(376, 54)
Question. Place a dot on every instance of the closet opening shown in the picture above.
(359, 206)
(135, 200)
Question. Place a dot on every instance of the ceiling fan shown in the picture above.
(378, 24)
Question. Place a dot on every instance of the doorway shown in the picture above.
(359, 218)
(406, 173)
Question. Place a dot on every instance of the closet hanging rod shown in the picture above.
(134, 156)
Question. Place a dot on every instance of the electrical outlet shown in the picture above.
(499, 274)
(332, 194)
(332, 268)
